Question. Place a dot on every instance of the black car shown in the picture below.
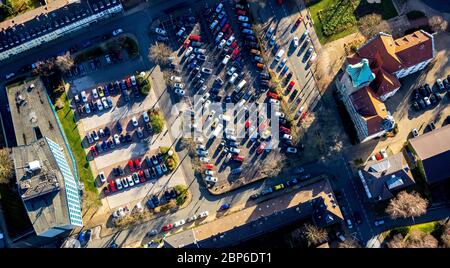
(119, 127)
(357, 217)
(128, 138)
(416, 106)
(428, 88)
(122, 138)
(116, 172)
(155, 200)
(107, 131)
(289, 76)
(153, 172)
(254, 196)
(432, 126)
(423, 91)
(264, 76)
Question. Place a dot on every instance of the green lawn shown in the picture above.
(66, 118)
(334, 19)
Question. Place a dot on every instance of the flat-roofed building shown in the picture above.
(47, 187)
(45, 169)
(49, 22)
(314, 202)
(432, 154)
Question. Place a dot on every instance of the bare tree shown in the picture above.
(445, 237)
(6, 166)
(372, 24)
(420, 239)
(407, 205)
(314, 235)
(398, 241)
(189, 144)
(45, 67)
(64, 62)
(349, 243)
(160, 53)
(438, 24)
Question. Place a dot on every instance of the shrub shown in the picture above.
(182, 193)
(415, 14)
(171, 161)
(395, 129)
(156, 120)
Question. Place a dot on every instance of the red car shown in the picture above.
(141, 176)
(272, 95)
(137, 164)
(112, 186)
(248, 123)
(194, 37)
(241, 12)
(209, 166)
(225, 28)
(238, 158)
(303, 116)
(291, 85)
(299, 20)
(285, 130)
(261, 148)
(235, 54)
(131, 165)
(93, 151)
(167, 227)
(128, 80)
(234, 44)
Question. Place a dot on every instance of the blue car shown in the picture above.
(80, 237)
(119, 127)
(104, 146)
(223, 21)
(106, 90)
(285, 69)
(224, 207)
(276, 47)
(150, 204)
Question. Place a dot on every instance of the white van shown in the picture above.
(218, 130)
(226, 59)
(279, 55)
(241, 85)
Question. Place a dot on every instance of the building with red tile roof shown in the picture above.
(383, 61)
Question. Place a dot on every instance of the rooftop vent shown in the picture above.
(34, 165)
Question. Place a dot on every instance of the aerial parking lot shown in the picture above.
(218, 62)
(123, 149)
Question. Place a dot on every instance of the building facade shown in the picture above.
(371, 76)
(51, 22)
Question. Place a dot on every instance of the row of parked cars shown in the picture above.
(281, 186)
(182, 222)
(137, 174)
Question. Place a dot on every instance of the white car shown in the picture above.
(130, 181)
(102, 177)
(383, 153)
(179, 223)
(414, 132)
(243, 18)
(230, 40)
(204, 214)
(99, 105)
(231, 71)
(105, 103)
(83, 96)
(206, 104)
(134, 121)
(200, 50)
(287, 137)
(209, 172)
(274, 101)
(296, 39)
(219, 7)
(192, 218)
(202, 153)
(211, 114)
(133, 80)
(94, 93)
(291, 150)
(87, 109)
(119, 184)
(175, 78)
(145, 116)
(204, 159)
(205, 97)
(179, 85)
(235, 150)
(188, 52)
(117, 32)
(160, 31)
(222, 43)
(116, 139)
